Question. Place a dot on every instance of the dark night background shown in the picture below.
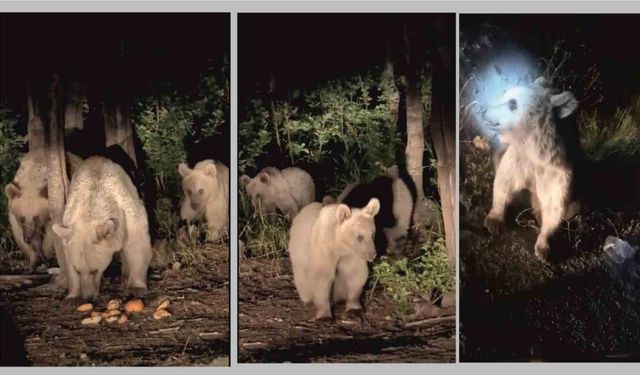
(607, 41)
(300, 50)
(162, 53)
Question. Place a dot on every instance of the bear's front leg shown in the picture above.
(73, 283)
(509, 179)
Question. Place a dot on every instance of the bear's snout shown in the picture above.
(194, 206)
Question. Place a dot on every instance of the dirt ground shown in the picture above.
(41, 329)
(274, 325)
(514, 307)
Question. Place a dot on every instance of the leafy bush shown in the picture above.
(11, 144)
(427, 277)
(163, 122)
(349, 115)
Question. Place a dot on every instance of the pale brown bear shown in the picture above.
(532, 157)
(329, 248)
(206, 196)
(104, 215)
(29, 206)
(274, 190)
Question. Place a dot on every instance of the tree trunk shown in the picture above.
(415, 131)
(56, 166)
(118, 129)
(443, 134)
(73, 107)
(35, 127)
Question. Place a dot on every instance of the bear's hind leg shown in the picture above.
(552, 194)
(138, 257)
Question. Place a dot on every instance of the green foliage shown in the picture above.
(10, 145)
(350, 114)
(427, 277)
(617, 136)
(262, 238)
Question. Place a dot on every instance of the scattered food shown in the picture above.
(85, 307)
(113, 318)
(481, 143)
(95, 314)
(92, 320)
(161, 314)
(114, 304)
(133, 306)
(123, 319)
(163, 305)
(111, 313)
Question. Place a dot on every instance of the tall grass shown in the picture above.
(261, 238)
(614, 137)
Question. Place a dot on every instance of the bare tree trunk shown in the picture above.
(56, 166)
(415, 131)
(389, 77)
(35, 127)
(443, 134)
(118, 127)
(73, 108)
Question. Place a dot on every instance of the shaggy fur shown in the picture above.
(532, 157)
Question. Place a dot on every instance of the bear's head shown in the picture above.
(522, 107)
(30, 208)
(198, 184)
(262, 189)
(89, 249)
(356, 229)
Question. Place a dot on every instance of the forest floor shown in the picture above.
(275, 326)
(42, 329)
(514, 307)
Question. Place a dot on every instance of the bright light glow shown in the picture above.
(508, 69)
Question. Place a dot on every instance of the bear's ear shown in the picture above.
(328, 200)
(373, 207)
(44, 192)
(343, 214)
(565, 102)
(245, 180)
(184, 170)
(265, 178)
(210, 170)
(61, 231)
(12, 190)
(106, 229)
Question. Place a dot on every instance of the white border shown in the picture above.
(357, 6)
